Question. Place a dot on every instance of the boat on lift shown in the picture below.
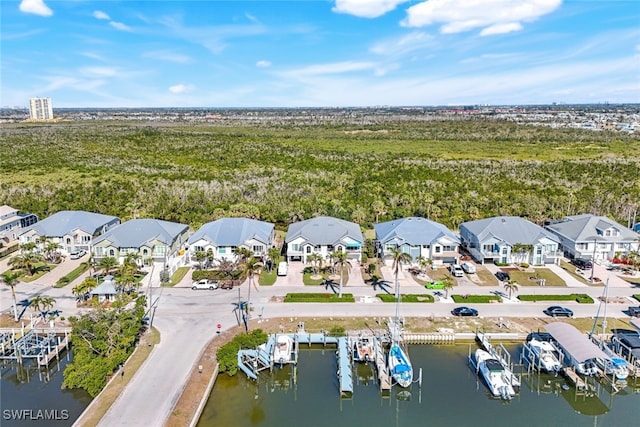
(545, 356)
(497, 377)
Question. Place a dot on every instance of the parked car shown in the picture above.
(503, 276)
(226, 284)
(456, 270)
(77, 254)
(556, 310)
(583, 264)
(634, 311)
(436, 284)
(468, 267)
(283, 267)
(464, 311)
(205, 284)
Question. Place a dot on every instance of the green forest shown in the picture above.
(450, 171)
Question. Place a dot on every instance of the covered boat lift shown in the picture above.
(575, 344)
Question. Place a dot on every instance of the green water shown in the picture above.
(450, 395)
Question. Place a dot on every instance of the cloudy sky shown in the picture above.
(297, 53)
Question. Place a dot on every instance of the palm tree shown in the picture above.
(50, 248)
(11, 279)
(200, 256)
(251, 268)
(107, 264)
(26, 261)
(274, 256)
(315, 259)
(87, 285)
(447, 285)
(399, 258)
(27, 247)
(243, 254)
(340, 260)
(423, 262)
(511, 286)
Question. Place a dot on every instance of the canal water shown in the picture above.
(451, 395)
(32, 396)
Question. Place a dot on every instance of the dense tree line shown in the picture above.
(448, 171)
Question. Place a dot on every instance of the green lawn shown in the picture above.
(406, 298)
(571, 269)
(177, 276)
(524, 278)
(318, 297)
(73, 275)
(268, 278)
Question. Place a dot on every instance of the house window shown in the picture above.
(160, 250)
(222, 250)
(99, 251)
(354, 247)
(437, 249)
(426, 246)
(329, 248)
(258, 249)
(112, 252)
(449, 248)
(68, 240)
(488, 248)
(145, 252)
(389, 248)
(308, 249)
(295, 247)
(317, 248)
(339, 248)
(198, 248)
(582, 246)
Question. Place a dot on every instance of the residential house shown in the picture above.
(594, 237)
(323, 235)
(71, 230)
(419, 237)
(223, 236)
(509, 239)
(163, 242)
(106, 291)
(12, 223)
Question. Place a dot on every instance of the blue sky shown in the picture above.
(209, 53)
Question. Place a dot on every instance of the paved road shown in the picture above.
(187, 321)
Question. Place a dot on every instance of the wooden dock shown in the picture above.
(576, 379)
(384, 378)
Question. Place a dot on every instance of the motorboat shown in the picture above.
(364, 348)
(616, 367)
(497, 377)
(545, 355)
(283, 350)
(588, 368)
(399, 365)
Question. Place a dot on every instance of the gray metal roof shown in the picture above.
(324, 230)
(413, 230)
(635, 323)
(64, 222)
(587, 227)
(574, 342)
(510, 229)
(137, 232)
(233, 231)
(107, 287)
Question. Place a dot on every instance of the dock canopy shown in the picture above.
(574, 342)
(635, 323)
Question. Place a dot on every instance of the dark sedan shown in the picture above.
(464, 311)
(503, 276)
(556, 310)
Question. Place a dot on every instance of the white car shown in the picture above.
(77, 254)
(456, 270)
(282, 268)
(205, 284)
(468, 267)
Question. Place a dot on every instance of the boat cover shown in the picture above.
(574, 342)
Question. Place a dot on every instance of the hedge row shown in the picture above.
(477, 299)
(406, 298)
(73, 275)
(215, 275)
(581, 298)
(318, 297)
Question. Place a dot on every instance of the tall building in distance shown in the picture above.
(40, 109)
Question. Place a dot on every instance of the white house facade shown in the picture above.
(163, 242)
(222, 237)
(71, 230)
(594, 237)
(509, 239)
(419, 237)
(12, 223)
(323, 235)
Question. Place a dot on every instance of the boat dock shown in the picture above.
(344, 367)
(42, 345)
(501, 354)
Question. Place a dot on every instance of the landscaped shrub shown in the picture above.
(318, 297)
(501, 264)
(406, 298)
(581, 298)
(636, 296)
(227, 355)
(481, 299)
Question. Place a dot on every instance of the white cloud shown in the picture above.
(99, 71)
(403, 45)
(492, 16)
(366, 8)
(263, 64)
(36, 7)
(169, 56)
(98, 14)
(119, 26)
(180, 88)
(333, 68)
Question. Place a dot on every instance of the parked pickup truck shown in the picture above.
(456, 270)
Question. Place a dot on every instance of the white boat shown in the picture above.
(283, 350)
(400, 366)
(496, 376)
(545, 355)
(363, 348)
(588, 368)
(617, 367)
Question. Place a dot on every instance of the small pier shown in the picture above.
(43, 345)
(382, 370)
(501, 354)
(344, 367)
(576, 380)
